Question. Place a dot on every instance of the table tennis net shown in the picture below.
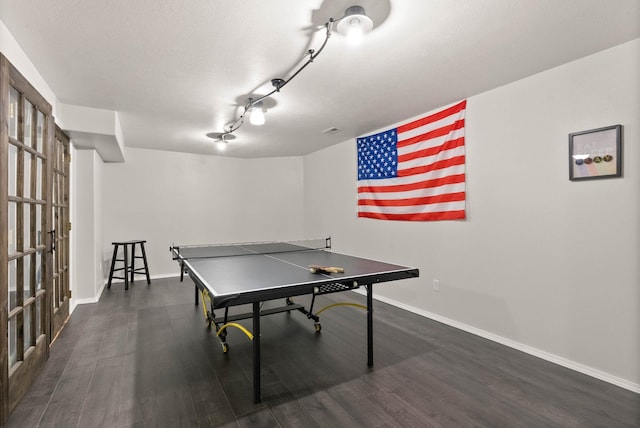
(248, 248)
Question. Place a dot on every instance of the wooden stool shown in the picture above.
(129, 268)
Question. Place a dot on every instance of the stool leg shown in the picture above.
(144, 260)
(133, 260)
(113, 263)
(126, 267)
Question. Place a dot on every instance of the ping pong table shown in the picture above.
(227, 275)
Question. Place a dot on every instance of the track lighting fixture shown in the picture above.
(353, 25)
(221, 139)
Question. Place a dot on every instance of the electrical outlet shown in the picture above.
(436, 285)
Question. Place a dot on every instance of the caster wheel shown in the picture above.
(225, 347)
(318, 327)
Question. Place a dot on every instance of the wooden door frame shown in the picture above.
(4, 242)
(14, 383)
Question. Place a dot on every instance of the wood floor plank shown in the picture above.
(327, 412)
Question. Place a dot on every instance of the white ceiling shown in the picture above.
(177, 70)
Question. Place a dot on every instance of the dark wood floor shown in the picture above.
(144, 358)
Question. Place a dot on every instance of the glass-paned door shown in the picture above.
(25, 207)
(61, 227)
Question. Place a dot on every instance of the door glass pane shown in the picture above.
(27, 175)
(27, 327)
(65, 165)
(13, 283)
(26, 269)
(59, 220)
(38, 208)
(26, 243)
(14, 96)
(28, 122)
(39, 329)
(54, 294)
(13, 227)
(39, 131)
(54, 190)
(13, 169)
(13, 337)
(39, 256)
(39, 169)
(58, 157)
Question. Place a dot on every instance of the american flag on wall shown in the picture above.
(415, 171)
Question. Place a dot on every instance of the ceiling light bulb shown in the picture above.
(221, 145)
(355, 32)
(257, 114)
(354, 24)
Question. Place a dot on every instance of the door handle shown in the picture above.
(53, 240)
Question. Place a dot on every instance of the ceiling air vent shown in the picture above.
(331, 131)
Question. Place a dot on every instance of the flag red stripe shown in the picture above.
(436, 182)
(432, 151)
(458, 160)
(445, 215)
(458, 124)
(433, 118)
(447, 197)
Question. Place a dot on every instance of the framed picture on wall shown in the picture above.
(596, 153)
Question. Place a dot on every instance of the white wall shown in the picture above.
(543, 264)
(178, 198)
(87, 270)
(14, 53)
(98, 271)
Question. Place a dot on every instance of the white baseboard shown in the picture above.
(166, 275)
(76, 302)
(589, 371)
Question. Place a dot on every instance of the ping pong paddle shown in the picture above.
(325, 269)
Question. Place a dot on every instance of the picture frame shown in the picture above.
(595, 153)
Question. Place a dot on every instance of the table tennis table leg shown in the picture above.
(256, 352)
(369, 325)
